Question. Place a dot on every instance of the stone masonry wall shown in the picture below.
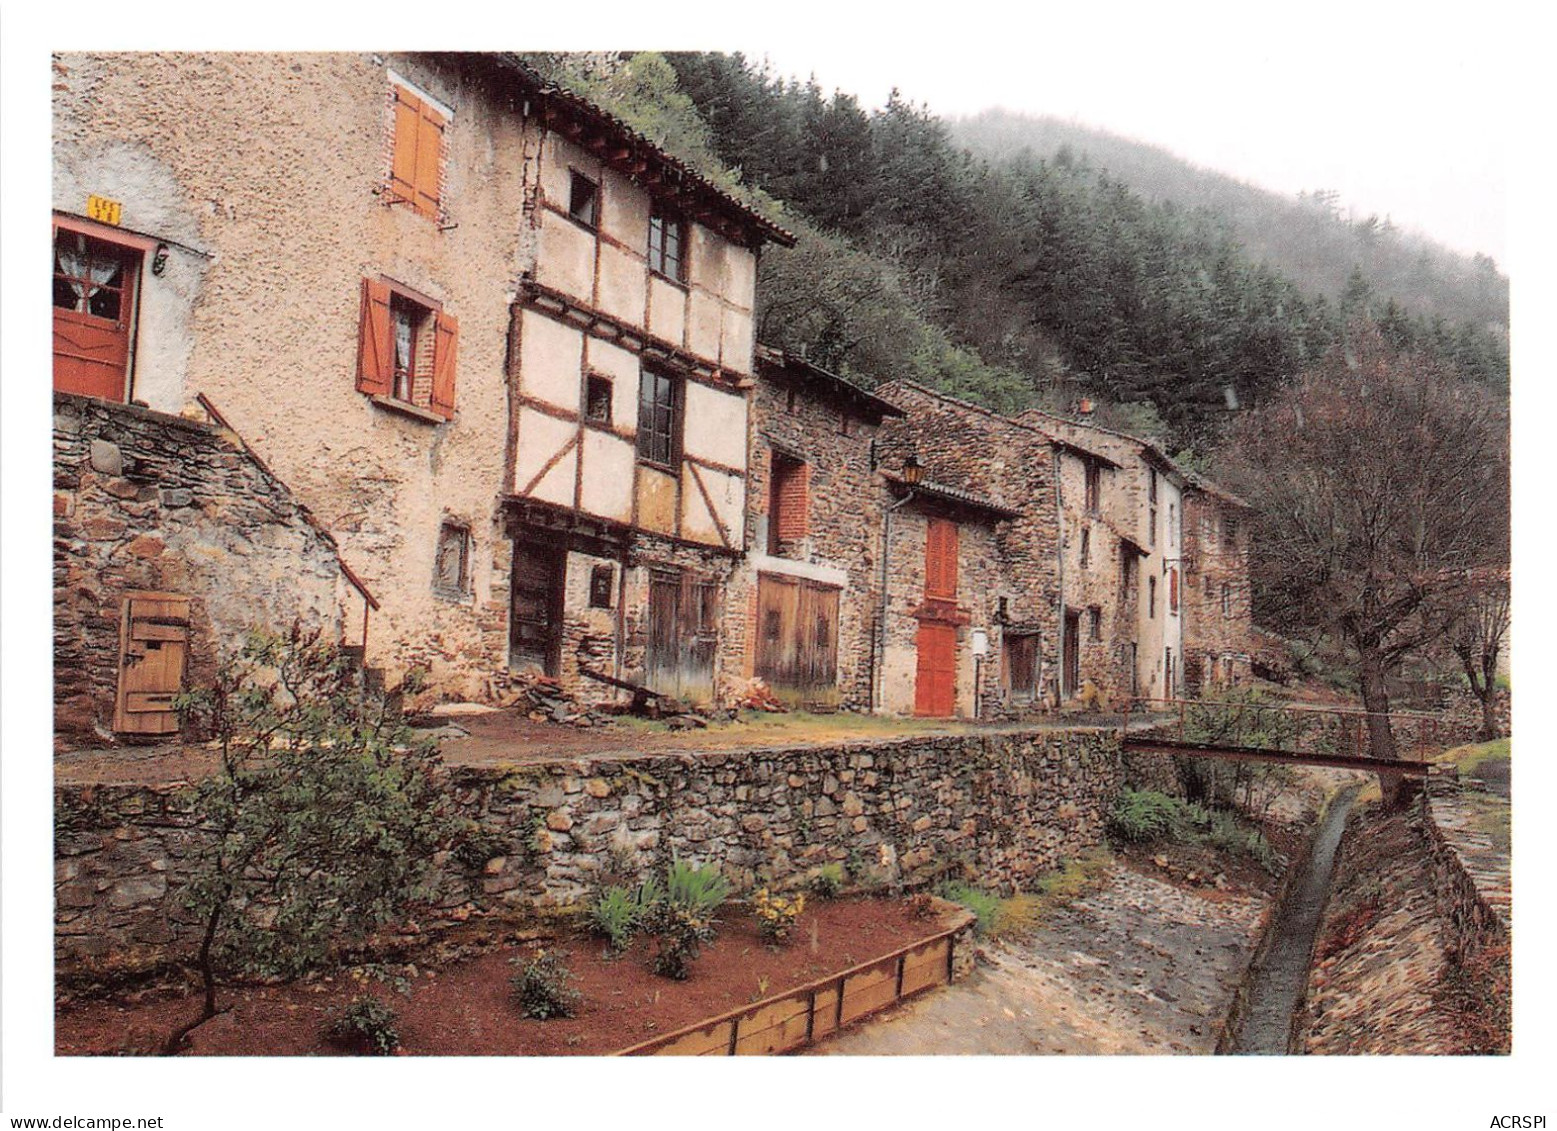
(1008, 805)
(1215, 638)
(146, 501)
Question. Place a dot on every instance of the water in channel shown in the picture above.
(1278, 981)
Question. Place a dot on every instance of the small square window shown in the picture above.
(601, 579)
(584, 201)
(667, 245)
(451, 569)
(597, 399)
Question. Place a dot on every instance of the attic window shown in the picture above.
(597, 399)
(584, 200)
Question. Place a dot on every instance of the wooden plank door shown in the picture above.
(818, 643)
(535, 610)
(935, 682)
(153, 651)
(94, 314)
(683, 635)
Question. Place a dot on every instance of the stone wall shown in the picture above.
(1470, 876)
(1006, 805)
(146, 501)
(1218, 637)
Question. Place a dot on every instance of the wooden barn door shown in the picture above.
(935, 682)
(797, 638)
(683, 635)
(153, 650)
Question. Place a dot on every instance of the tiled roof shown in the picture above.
(850, 390)
(955, 495)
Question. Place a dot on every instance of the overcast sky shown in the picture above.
(1401, 110)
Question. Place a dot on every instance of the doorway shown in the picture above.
(94, 314)
(535, 612)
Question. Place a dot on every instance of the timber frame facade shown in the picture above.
(500, 349)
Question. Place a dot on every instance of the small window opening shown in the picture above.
(1086, 549)
(1151, 596)
(584, 201)
(1094, 488)
(1227, 600)
(1095, 622)
(451, 569)
(601, 579)
(667, 234)
(597, 399)
(790, 401)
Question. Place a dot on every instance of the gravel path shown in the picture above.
(1141, 966)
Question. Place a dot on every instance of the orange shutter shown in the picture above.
(445, 349)
(402, 168)
(1173, 590)
(940, 571)
(375, 341)
(429, 159)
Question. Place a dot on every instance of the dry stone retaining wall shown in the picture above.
(1007, 805)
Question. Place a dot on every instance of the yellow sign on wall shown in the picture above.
(103, 210)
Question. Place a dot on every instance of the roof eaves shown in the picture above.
(784, 360)
(956, 495)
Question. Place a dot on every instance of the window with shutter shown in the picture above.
(407, 350)
(416, 164)
(940, 572)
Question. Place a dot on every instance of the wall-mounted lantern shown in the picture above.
(913, 471)
(159, 259)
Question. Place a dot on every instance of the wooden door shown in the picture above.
(535, 611)
(153, 650)
(1072, 670)
(94, 314)
(1022, 666)
(797, 638)
(683, 635)
(935, 682)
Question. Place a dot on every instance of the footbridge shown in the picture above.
(1294, 733)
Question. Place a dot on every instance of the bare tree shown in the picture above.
(1382, 487)
(1476, 637)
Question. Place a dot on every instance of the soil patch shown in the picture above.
(467, 1009)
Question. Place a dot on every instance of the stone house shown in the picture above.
(814, 530)
(1218, 598)
(498, 343)
(1122, 517)
(972, 582)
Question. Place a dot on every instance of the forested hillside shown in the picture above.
(1013, 282)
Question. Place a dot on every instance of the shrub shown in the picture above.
(776, 914)
(1142, 815)
(682, 919)
(828, 881)
(614, 916)
(542, 987)
(985, 907)
(366, 1026)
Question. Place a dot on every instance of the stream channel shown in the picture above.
(1279, 974)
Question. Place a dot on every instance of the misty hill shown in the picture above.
(1309, 239)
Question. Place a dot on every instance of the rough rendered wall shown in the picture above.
(272, 164)
(148, 501)
(1008, 805)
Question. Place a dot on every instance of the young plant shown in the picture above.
(985, 907)
(321, 820)
(619, 913)
(542, 987)
(682, 919)
(366, 1027)
(828, 881)
(776, 914)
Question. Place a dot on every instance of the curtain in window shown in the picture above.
(85, 273)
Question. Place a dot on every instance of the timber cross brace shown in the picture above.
(1292, 733)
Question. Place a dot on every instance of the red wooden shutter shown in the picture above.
(445, 348)
(940, 572)
(402, 167)
(375, 341)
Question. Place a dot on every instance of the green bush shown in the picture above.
(1142, 815)
(614, 917)
(366, 1026)
(542, 987)
(682, 919)
(985, 907)
(828, 881)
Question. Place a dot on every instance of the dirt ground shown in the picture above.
(467, 1008)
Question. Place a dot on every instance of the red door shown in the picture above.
(94, 312)
(935, 684)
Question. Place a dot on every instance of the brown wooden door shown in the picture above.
(935, 682)
(1072, 668)
(797, 638)
(94, 314)
(535, 612)
(153, 650)
(683, 635)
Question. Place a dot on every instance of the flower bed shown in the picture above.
(468, 1009)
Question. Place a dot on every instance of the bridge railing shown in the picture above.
(1297, 728)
